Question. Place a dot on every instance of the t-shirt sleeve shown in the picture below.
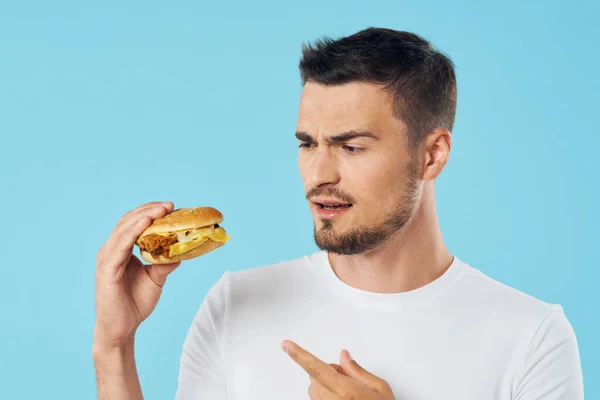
(201, 369)
(552, 368)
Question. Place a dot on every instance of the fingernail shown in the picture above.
(349, 356)
(285, 347)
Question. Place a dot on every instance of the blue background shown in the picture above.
(107, 106)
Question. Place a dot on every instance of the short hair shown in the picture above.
(420, 78)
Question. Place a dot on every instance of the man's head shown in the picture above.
(373, 109)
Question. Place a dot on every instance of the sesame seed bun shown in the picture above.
(185, 218)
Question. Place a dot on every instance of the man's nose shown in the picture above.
(323, 169)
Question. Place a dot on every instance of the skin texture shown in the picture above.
(392, 191)
(376, 174)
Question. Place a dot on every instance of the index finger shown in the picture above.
(317, 369)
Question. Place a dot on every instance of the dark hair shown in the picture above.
(420, 78)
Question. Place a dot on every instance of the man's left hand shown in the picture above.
(348, 380)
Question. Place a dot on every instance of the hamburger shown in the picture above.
(182, 234)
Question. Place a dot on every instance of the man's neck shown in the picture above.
(412, 258)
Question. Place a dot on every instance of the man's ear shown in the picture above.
(436, 150)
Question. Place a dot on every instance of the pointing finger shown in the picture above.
(314, 367)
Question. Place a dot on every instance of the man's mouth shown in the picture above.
(329, 208)
(333, 206)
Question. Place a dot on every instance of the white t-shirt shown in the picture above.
(464, 336)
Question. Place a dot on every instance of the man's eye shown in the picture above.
(352, 149)
(305, 145)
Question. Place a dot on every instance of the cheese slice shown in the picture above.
(180, 248)
(196, 239)
(219, 235)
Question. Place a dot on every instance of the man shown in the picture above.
(374, 127)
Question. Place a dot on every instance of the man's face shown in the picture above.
(374, 178)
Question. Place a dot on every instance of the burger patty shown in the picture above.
(157, 244)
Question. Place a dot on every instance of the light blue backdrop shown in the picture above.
(107, 106)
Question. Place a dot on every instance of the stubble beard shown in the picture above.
(365, 238)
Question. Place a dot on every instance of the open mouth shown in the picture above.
(333, 206)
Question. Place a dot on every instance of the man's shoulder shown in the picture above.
(501, 299)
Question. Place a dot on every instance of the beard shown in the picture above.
(365, 238)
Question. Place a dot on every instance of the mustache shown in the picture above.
(330, 192)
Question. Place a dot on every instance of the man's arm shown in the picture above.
(552, 368)
(201, 373)
(116, 373)
(127, 292)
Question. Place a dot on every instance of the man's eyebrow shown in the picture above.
(338, 138)
(304, 137)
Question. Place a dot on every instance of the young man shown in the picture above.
(374, 127)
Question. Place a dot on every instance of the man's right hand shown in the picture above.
(127, 291)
